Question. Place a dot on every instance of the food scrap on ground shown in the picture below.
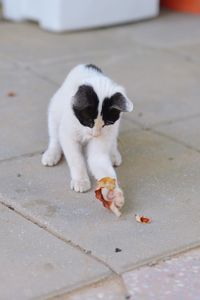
(118, 250)
(105, 186)
(11, 94)
(142, 219)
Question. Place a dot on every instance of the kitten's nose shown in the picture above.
(98, 123)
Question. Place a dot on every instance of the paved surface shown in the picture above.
(56, 244)
(176, 278)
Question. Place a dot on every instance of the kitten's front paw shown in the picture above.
(51, 158)
(117, 197)
(80, 185)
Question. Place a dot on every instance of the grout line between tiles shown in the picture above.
(71, 58)
(186, 57)
(163, 257)
(172, 50)
(63, 293)
(57, 235)
(151, 128)
(166, 122)
(172, 121)
(175, 140)
(41, 76)
(155, 131)
(26, 155)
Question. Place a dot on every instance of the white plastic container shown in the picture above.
(60, 15)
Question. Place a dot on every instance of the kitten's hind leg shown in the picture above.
(53, 153)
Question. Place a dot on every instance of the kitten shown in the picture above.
(86, 111)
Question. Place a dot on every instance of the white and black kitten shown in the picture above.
(86, 111)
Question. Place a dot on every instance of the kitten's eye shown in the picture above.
(109, 123)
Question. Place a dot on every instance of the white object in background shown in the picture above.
(60, 15)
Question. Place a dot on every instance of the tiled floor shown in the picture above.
(55, 244)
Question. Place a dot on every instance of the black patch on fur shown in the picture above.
(85, 105)
(91, 66)
(112, 107)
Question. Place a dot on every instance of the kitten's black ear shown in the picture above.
(121, 102)
(84, 97)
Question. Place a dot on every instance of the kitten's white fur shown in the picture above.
(67, 135)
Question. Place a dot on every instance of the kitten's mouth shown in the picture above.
(96, 132)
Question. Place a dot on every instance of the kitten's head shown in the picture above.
(98, 105)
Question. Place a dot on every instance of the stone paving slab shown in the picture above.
(35, 263)
(168, 31)
(190, 52)
(160, 179)
(23, 117)
(37, 45)
(159, 90)
(177, 278)
(185, 131)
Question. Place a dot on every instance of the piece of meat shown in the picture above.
(142, 219)
(106, 192)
